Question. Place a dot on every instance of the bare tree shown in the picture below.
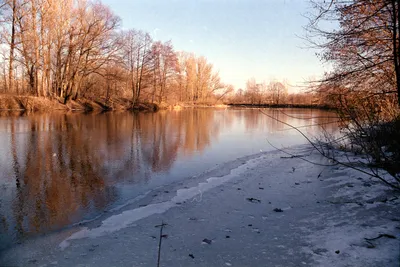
(165, 65)
(137, 48)
(364, 50)
(278, 92)
(364, 84)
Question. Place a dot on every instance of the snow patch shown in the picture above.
(126, 218)
(343, 237)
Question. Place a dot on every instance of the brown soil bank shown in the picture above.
(32, 103)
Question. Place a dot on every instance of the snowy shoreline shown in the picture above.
(331, 216)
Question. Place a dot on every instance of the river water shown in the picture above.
(60, 169)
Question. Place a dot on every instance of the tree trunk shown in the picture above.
(396, 47)
(12, 47)
(397, 55)
(36, 48)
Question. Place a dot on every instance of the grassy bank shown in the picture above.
(11, 103)
(17, 104)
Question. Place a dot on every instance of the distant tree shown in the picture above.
(278, 91)
(239, 96)
(253, 92)
(196, 79)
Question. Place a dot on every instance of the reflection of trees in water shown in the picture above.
(155, 140)
(255, 120)
(57, 174)
(197, 126)
(160, 140)
(164, 134)
(66, 165)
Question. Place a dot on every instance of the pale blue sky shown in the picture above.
(242, 38)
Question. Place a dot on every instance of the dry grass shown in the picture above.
(33, 104)
(29, 103)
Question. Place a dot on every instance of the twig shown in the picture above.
(345, 202)
(291, 157)
(307, 118)
(295, 128)
(312, 125)
(381, 235)
(300, 156)
(160, 241)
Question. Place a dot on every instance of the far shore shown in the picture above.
(312, 106)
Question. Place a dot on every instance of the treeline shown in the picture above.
(275, 93)
(71, 49)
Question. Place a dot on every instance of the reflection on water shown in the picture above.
(57, 169)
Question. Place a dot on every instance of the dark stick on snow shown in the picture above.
(160, 241)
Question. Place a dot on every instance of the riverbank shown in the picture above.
(263, 210)
(17, 104)
(10, 103)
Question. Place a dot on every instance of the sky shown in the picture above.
(241, 38)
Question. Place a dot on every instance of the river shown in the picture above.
(59, 169)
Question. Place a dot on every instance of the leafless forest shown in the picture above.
(69, 50)
(75, 49)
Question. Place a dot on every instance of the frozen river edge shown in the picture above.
(228, 217)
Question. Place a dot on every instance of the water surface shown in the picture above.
(60, 169)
